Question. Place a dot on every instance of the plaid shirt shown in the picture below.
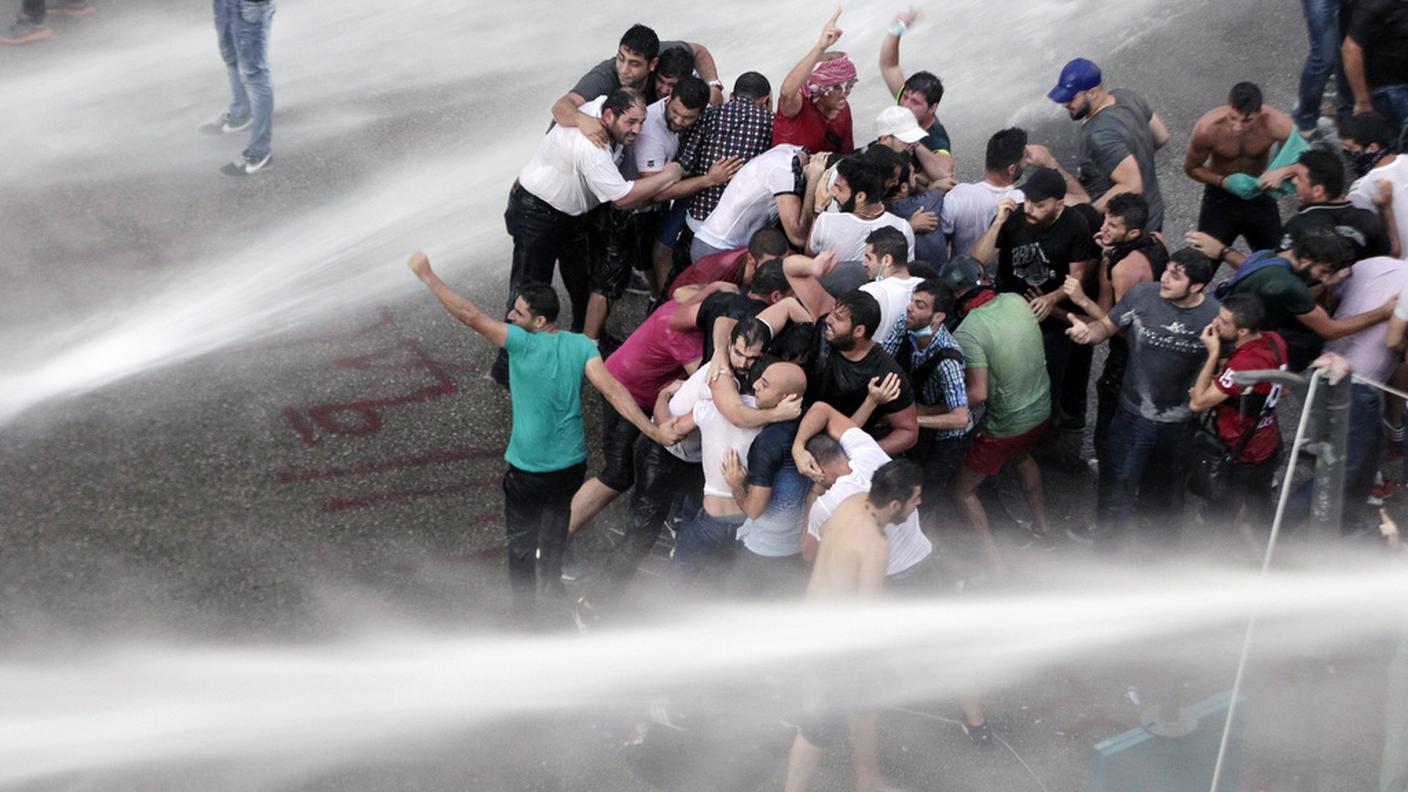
(738, 129)
(946, 384)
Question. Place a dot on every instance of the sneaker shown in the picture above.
(246, 165)
(225, 125)
(75, 8)
(584, 615)
(638, 284)
(1081, 534)
(1034, 538)
(23, 31)
(980, 735)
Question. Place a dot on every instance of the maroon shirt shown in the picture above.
(725, 266)
(1231, 424)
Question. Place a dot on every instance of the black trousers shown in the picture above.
(33, 9)
(537, 508)
(1225, 216)
(544, 237)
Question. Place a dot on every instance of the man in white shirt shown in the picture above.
(859, 190)
(770, 187)
(970, 208)
(891, 284)
(567, 177)
(831, 450)
(1381, 177)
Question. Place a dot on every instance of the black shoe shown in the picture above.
(246, 165)
(980, 735)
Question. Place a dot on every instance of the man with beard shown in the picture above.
(812, 111)
(933, 361)
(859, 191)
(566, 178)
(1035, 248)
(636, 59)
(1118, 137)
(1228, 151)
(1149, 436)
(890, 281)
(969, 208)
(1381, 176)
(1283, 285)
(1319, 179)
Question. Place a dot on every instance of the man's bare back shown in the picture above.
(1217, 145)
(851, 558)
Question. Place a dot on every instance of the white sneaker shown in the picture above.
(246, 165)
(223, 125)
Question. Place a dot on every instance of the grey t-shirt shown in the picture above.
(1111, 135)
(602, 79)
(1164, 352)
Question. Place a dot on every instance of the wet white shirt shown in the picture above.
(571, 173)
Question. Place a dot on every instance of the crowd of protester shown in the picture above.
(840, 329)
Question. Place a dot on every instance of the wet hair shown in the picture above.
(926, 83)
(824, 449)
(863, 309)
(1324, 246)
(794, 344)
(1245, 98)
(888, 241)
(541, 300)
(621, 100)
(1366, 129)
(675, 62)
(1195, 265)
(885, 159)
(751, 85)
(768, 243)
(922, 269)
(862, 175)
(692, 92)
(1325, 169)
(895, 480)
(769, 278)
(1130, 207)
(642, 41)
(1247, 310)
(942, 296)
(751, 332)
(1006, 148)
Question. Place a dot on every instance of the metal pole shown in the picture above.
(1327, 503)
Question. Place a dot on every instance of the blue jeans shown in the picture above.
(242, 27)
(704, 550)
(1153, 451)
(1323, 26)
(1392, 101)
(1362, 451)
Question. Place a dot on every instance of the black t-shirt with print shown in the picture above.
(1040, 258)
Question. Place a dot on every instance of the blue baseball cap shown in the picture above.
(1078, 75)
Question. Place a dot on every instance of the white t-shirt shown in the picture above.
(571, 173)
(969, 210)
(690, 393)
(846, 233)
(749, 201)
(1396, 173)
(907, 543)
(656, 145)
(893, 294)
(717, 437)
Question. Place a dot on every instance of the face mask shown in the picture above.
(923, 332)
(1361, 162)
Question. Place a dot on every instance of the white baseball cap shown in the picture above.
(900, 122)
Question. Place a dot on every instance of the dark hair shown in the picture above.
(769, 278)
(884, 158)
(1248, 312)
(1325, 169)
(751, 85)
(1366, 129)
(824, 448)
(767, 243)
(751, 332)
(889, 241)
(943, 296)
(621, 100)
(922, 269)
(863, 309)
(1005, 148)
(926, 83)
(642, 41)
(541, 300)
(692, 92)
(862, 176)
(1324, 246)
(1245, 98)
(1130, 207)
(1195, 265)
(895, 480)
(795, 344)
(675, 62)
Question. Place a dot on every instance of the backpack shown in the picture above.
(1258, 261)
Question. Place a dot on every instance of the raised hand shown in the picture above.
(830, 34)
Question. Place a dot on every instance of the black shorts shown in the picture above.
(615, 249)
(618, 440)
(1226, 217)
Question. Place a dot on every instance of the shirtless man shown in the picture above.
(850, 564)
(1236, 138)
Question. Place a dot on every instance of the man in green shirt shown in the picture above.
(1005, 371)
(547, 449)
